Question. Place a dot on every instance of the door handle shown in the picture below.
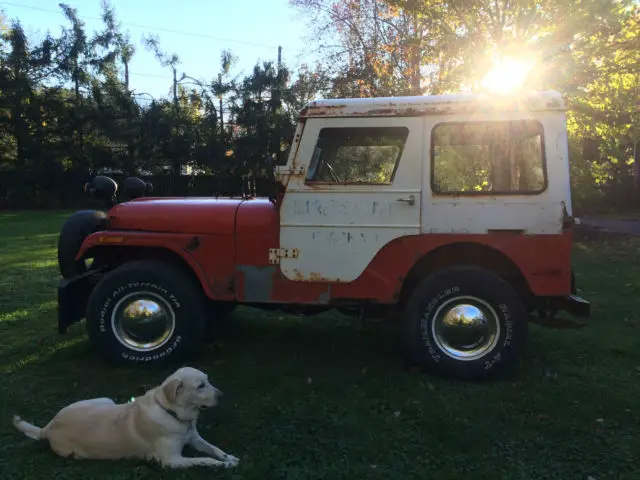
(411, 199)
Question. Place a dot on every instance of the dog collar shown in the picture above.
(171, 412)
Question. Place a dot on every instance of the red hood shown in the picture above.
(176, 215)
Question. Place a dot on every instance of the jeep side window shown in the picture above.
(488, 157)
(363, 155)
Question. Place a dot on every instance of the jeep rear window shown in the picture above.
(488, 157)
(364, 155)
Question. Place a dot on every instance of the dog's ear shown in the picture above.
(171, 390)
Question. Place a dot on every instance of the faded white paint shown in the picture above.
(338, 229)
(535, 214)
(434, 105)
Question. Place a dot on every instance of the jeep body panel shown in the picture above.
(340, 230)
(176, 215)
(432, 105)
(538, 213)
(119, 242)
(538, 257)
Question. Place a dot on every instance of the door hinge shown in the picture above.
(275, 254)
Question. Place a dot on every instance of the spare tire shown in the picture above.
(73, 232)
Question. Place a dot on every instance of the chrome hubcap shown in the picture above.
(143, 321)
(465, 328)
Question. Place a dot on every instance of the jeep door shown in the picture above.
(357, 188)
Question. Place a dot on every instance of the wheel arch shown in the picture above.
(466, 253)
(115, 256)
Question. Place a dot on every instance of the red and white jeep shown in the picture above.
(452, 211)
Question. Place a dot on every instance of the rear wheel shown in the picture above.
(146, 312)
(465, 322)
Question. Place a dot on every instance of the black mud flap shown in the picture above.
(576, 306)
(73, 294)
(572, 304)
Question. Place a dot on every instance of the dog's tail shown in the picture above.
(29, 430)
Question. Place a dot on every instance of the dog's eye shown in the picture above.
(201, 385)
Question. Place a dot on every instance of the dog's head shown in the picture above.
(190, 388)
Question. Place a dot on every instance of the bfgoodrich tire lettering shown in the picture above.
(479, 291)
(165, 285)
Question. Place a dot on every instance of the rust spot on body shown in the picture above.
(193, 244)
(439, 105)
(316, 277)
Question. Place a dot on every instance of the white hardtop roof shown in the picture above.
(433, 104)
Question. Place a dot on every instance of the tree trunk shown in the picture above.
(131, 147)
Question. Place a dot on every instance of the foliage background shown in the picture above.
(67, 111)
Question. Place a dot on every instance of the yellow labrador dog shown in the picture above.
(155, 426)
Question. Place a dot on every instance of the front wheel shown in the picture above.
(465, 322)
(146, 312)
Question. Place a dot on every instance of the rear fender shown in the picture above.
(176, 243)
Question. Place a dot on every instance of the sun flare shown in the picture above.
(507, 75)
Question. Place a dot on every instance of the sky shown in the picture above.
(200, 30)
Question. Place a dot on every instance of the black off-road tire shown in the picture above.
(73, 232)
(435, 291)
(171, 285)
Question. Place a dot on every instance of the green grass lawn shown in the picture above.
(325, 398)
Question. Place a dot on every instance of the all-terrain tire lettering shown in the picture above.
(168, 282)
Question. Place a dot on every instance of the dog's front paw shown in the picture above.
(230, 461)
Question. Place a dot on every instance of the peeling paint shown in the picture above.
(432, 105)
(317, 107)
(258, 282)
(316, 277)
(325, 297)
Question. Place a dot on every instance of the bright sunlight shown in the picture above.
(507, 75)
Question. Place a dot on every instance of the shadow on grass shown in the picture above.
(268, 344)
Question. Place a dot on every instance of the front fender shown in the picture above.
(176, 243)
